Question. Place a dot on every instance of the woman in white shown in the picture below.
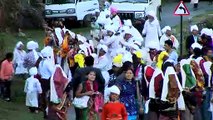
(102, 62)
(115, 18)
(18, 59)
(152, 31)
(32, 89)
(167, 35)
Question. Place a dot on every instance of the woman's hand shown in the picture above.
(90, 93)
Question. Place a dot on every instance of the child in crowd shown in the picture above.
(114, 110)
(6, 75)
(32, 89)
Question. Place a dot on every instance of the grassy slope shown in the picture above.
(16, 109)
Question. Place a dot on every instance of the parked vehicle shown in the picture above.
(136, 9)
(77, 10)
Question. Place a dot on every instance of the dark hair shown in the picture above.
(197, 52)
(90, 72)
(169, 43)
(9, 55)
(127, 65)
(89, 61)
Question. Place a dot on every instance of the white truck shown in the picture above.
(77, 10)
(136, 10)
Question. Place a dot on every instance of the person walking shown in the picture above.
(6, 75)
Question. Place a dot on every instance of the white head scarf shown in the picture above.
(19, 44)
(166, 28)
(196, 45)
(33, 71)
(114, 89)
(46, 52)
(152, 13)
(194, 27)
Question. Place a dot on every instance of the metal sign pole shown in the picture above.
(181, 35)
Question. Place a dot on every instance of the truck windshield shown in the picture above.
(131, 1)
(59, 1)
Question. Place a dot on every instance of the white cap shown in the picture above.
(19, 44)
(32, 45)
(194, 27)
(33, 71)
(166, 28)
(114, 89)
(204, 31)
(46, 52)
(97, 10)
(137, 42)
(152, 13)
(104, 47)
(196, 45)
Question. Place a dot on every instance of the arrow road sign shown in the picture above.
(181, 9)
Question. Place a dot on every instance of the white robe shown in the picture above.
(116, 22)
(153, 32)
(18, 61)
(32, 89)
(104, 65)
(113, 44)
(164, 37)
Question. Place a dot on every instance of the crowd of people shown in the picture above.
(119, 74)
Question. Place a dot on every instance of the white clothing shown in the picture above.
(164, 38)
(46, 68)
(113, 43)
(152, 31)
(58, 34)
(194, 1)
(116, 22)
(18, 61)
(32, 89)
(103, 64)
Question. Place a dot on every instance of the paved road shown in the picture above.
(168, 19)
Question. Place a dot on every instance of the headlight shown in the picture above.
(139, 15)
(70, 11)
(48, 12)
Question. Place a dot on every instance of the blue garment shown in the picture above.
(134, 117)
(128, 96)
(173, 56)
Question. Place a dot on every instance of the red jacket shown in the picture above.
(114, 111)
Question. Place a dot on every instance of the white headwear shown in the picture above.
(32, 45)
(166, 28)
(81, 38)
(19, 44)
(33, 71)
(97, 10)
(196, 45)
(137, 42)
(152, 13)
(114, 89)
(128, 22)
(104, 47)
(204, 31)
(194, 27)
(46, 52)
(209, 32)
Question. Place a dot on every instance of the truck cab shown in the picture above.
(78, 10)
(136, 9)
